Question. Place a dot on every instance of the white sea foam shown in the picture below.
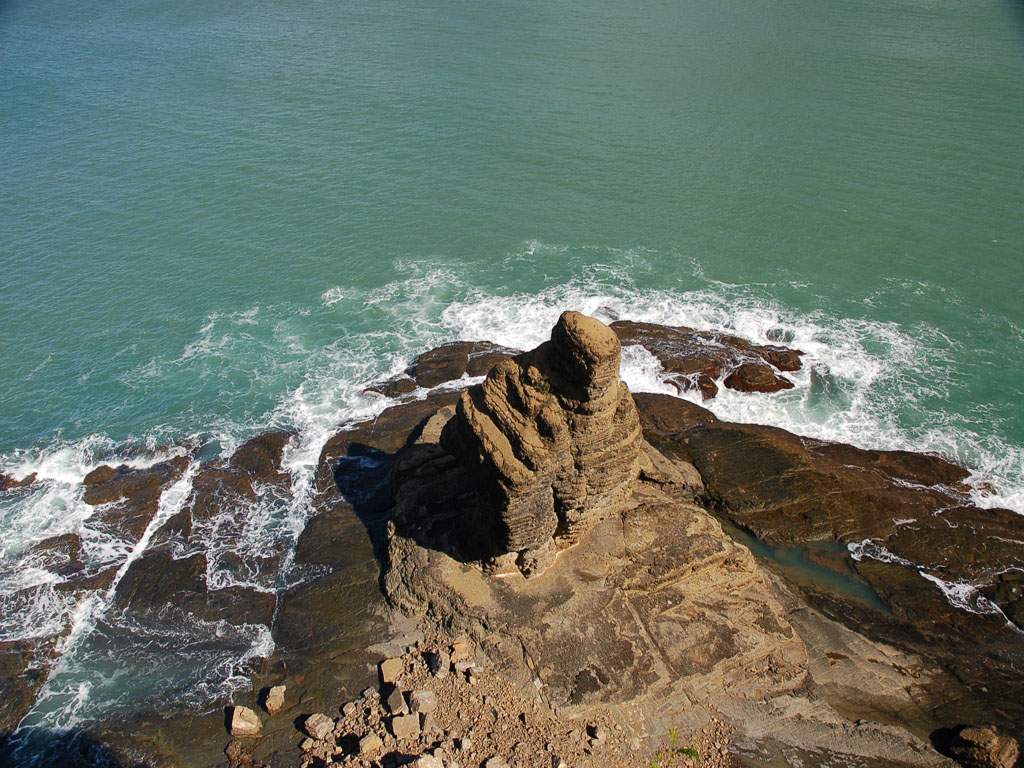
(332, 296)
(872, 549)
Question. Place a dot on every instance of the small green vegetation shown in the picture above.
(666, 758)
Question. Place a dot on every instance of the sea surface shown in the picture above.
(225, 217)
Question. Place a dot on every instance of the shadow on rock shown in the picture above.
(45, 748)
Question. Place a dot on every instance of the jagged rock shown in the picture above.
(697, 359)
(445, 363)
(904, 515)
(101, 474)
(319, 726)
(245, 724)
(370, 745)
(105, 485)
(273, 701)
(551, 438)
(423, 702)
(260, 457)
(983, 747)
(391, 670)
(440, 664)
(396, 703)
(8, 483)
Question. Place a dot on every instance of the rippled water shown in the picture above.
(227, 217)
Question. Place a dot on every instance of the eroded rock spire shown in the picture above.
(551, 439)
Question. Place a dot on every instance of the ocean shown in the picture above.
(222, 218)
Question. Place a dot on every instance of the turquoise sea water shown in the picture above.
(221, 217)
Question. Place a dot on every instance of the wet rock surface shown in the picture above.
(9, 483)
(443, 364)
(126, 501)
(699, 359)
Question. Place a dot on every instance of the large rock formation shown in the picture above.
(654, 613)
(551, 439)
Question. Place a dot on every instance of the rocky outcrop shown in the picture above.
(897, 523)
(448, 362)
(697, 360)
(658, 616)
(8, 483)
(654, 613)
(551, 440)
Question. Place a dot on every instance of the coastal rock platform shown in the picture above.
(745, 578)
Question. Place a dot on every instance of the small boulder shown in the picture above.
(426, 761)
(461, 649)
(405, 726)
(983, 747)
(245, 724)
(440, 664)
(370, 745)
(396, 703)
(273, 700)
(757, 377)
(423, 702)
(391, 670)
(319, 726)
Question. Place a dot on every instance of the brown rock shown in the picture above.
(551, 438)
(391, 670)
(245, 724)
(698, 358)
(319, 726)
(396, 703)
(445, 363)
(370, 745)
(260, 457)
(405, 726)
(8, 483)
(273, 700)
(127, 483)
(983, 747)
(101, 474)
(451, 361)
(757, 377)
(423, 702)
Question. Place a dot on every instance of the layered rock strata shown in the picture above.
(551, 440)
(655, 613)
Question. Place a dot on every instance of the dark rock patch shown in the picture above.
(8, 483)
(697, 359)
(445, 363)
(757, 377)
